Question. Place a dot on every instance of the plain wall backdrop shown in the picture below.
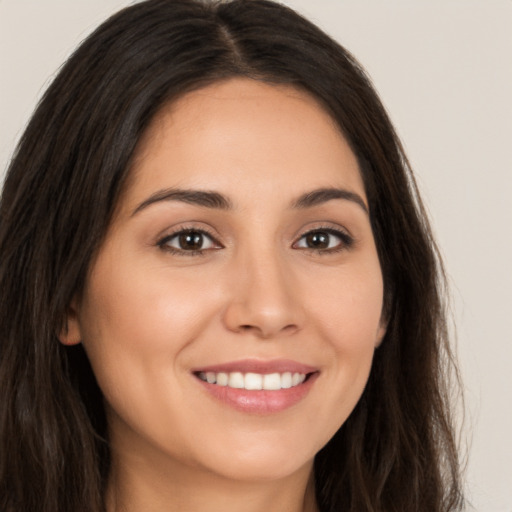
(443, 69)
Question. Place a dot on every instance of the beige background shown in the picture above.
(443, 69)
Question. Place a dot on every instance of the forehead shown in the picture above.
(244, 132)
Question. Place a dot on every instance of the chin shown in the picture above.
(263, 469)
(260, 460)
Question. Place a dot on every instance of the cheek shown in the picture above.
(348, 307)
(348, 313)
(136, 325)
(142, 310)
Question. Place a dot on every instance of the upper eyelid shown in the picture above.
(170, 236)
(340, 233)
(329, 227)
(183, 228)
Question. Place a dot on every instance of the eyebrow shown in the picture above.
(205, 198)
(323, 195)
(215, 200)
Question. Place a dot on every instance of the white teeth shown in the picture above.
(222, 379)
(286, 380)
(272, 381)
(254, 381)
(236, 380)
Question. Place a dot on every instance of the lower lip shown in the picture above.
(260, 401)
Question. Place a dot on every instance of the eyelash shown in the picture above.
(346, 241)
(164, 242)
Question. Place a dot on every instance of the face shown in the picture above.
(232, 312)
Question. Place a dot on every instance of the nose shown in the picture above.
(263, 298)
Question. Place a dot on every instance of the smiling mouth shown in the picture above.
(256, 386)
(254, 381)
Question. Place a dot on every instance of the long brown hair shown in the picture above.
(397, 451)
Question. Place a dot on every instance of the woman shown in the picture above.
(219, 288)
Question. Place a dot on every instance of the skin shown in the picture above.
(257, 290)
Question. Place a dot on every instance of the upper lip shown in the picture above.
(258, 366)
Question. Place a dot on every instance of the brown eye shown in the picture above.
(317, 240)
(192, 241)
(327, 240)
(189, 240)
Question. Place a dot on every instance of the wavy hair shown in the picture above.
(397, 451)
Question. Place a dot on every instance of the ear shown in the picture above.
(381, 332)
(70, 333)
